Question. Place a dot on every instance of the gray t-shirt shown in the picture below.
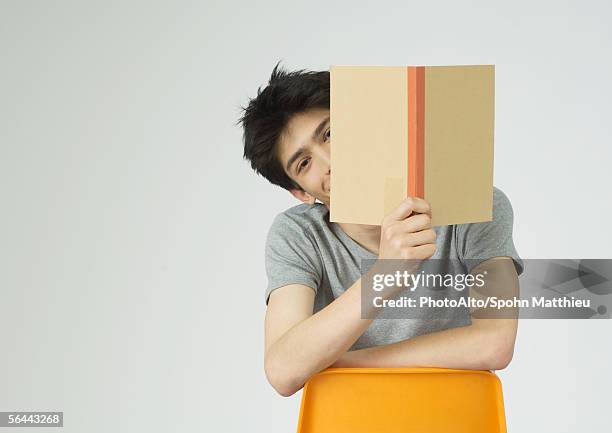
(304, 247)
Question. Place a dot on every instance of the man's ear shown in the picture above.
(302, 195)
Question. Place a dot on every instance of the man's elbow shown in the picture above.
(500, 356)
(498, 338)
(285, 389)
(285, 384)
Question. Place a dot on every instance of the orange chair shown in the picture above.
(402, 400)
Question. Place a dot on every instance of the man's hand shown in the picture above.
(406, 232)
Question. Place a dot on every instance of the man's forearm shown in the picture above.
(487, 344)
(319, 340)
(316, 342)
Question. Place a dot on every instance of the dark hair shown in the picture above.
(266, 117)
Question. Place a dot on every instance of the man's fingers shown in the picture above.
(421, 237)
(421, 252)
(408, 206)
(414, 223)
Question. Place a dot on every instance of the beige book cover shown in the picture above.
(400, 131)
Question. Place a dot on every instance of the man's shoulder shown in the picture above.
(305, 214)
(502, 209)
(500, 199)
(491, 233)
(301, 218)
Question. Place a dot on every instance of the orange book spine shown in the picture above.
(416, 131)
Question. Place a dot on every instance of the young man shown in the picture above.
(313, 319)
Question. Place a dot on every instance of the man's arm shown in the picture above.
(486, 344)
(298, 343)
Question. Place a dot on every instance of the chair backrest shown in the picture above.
(402, 400)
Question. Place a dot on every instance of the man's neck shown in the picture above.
(365, 235)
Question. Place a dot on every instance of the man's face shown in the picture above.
(304, 151)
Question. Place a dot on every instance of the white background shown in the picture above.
(132, 232)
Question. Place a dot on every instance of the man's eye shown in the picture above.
(303, 164)
(328, 134)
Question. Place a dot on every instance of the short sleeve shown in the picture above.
(477, 242)
(291, 256)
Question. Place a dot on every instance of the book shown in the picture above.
(400, 131)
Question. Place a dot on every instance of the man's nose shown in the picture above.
(323, 154)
